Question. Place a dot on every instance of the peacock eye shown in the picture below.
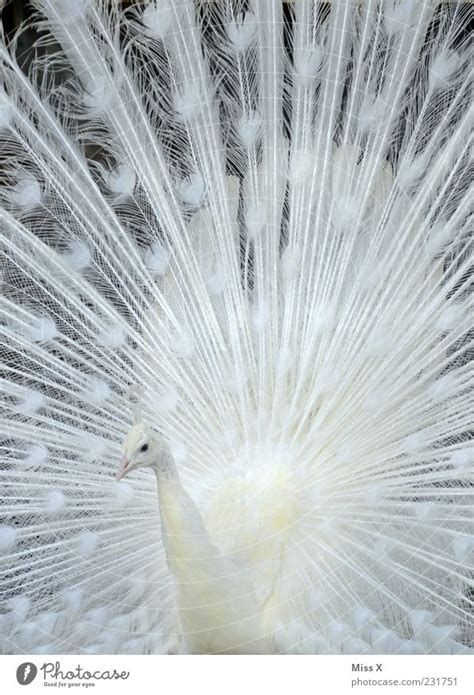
(144, 447)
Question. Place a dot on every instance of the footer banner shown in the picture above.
(239, 675)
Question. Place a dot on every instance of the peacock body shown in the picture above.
(258, 216)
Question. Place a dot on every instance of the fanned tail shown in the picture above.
(259, 213)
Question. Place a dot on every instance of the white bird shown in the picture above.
(216, 601)
(258, 215)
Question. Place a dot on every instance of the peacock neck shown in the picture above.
(183, 529)
(206, 582)
(166, 471)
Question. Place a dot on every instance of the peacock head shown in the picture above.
(141, 448)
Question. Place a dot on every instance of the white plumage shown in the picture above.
(261, 216)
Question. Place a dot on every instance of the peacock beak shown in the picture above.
(124, 468)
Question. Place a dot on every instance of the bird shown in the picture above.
(236, 243)
(207, 581)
